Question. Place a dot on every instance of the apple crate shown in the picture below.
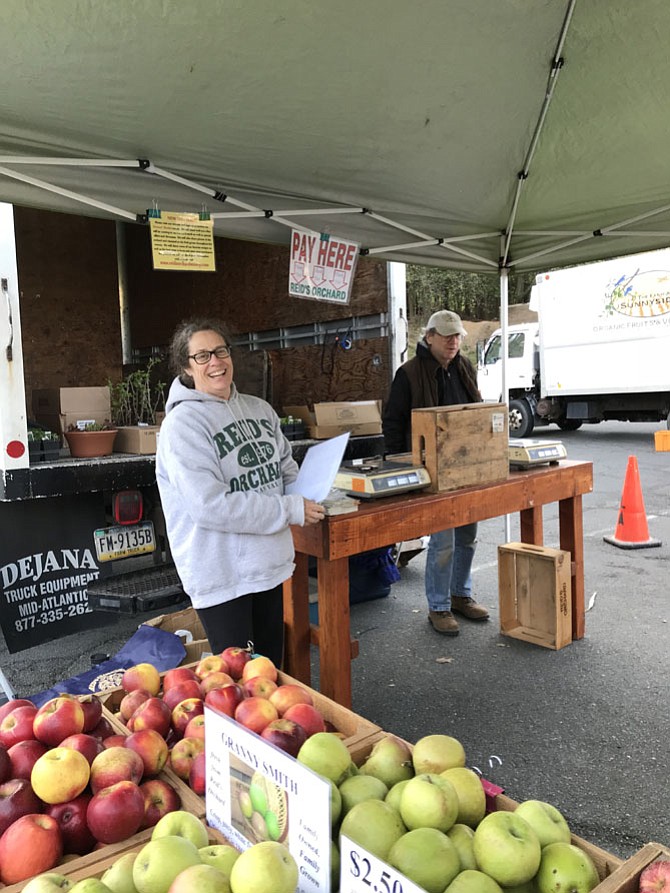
(626, 878)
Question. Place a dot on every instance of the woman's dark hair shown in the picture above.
(178, 352)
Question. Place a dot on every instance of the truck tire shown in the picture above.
(569, 424)
(521, 421)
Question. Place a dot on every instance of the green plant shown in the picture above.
(35, 435)
(92, 426)
(136, 399)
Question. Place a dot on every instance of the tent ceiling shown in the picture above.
(423, 112)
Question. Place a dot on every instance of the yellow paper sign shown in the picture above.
(182, 242)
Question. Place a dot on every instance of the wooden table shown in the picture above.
(393, 519)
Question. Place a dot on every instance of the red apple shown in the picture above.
(196, 778)
(116, 812)
(103, 729)
(255, 713)
(30, 846)
(144, 676)
(87, 745)
(71, 818)
(214, 680)
(196, 727)
(236, 658)
(181, 691)
(306, 716)
(18, 725)
(177, 674)
(152, 714)
(113, 741)
(23, 755)
(184, 712)
(159, 799)
(131, 701)
(57, 719)
(183, 754)
(92, 707)
(289, 694)
(213, 663)
(286, 735)
(17, 798)
(259, 687)
(12, 704)
(5, 765)
(113, 765)
(259, 666)
(225, 699)
(151, 748)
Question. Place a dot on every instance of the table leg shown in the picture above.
(335, 646)
(296, 622)
(531, 527)
(571, 533)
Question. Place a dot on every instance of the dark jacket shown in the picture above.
(422, 382)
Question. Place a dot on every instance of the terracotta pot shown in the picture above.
(89, 444)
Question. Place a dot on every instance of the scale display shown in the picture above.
(371, 478)
(524, 453)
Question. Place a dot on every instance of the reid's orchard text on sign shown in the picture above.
(182, 242)
(322, 267)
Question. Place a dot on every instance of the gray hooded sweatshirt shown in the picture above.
(221, 467)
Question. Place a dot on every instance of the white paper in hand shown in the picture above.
(319, 467)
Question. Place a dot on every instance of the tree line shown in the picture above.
(474, 296)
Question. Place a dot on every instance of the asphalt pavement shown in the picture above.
(585, 728)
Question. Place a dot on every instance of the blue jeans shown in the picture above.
(449, 566)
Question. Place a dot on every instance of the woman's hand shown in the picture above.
(314, 511)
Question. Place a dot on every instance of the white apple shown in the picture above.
(435, 753)
(266, 867)
(565, 867)
(506, 848)
(203, 878)
(462, 837)
(325, 754)
(471, 796)
(545, 820)
(359, 788)
(50, 882)
(429, 801)
(181, 824)
(119, 876)
(374, 825)
(427, 857)
(89, 885)
(390, 761)
(473, 881)
(160, 861)
(220, 855)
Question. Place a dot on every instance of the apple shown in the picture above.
(23, 755)
(259, 666)
(196, 727)
(144, 676)
(390, 760)
(267, 867)
(87, 745)
(17, 798)
(50, 882)
(154, 714)
(116, 764)
(92, 707)
(57, 719)
(119, 876)
(427, 857)
(435, 753)
(225, 699)
(429, 801)
(220, 855)
(358, 788)
(255, 713)
(114, 741)
(151, 748)
(545, 820)
(204, 878)
(395, 793)
(462, 837)
(18, 725)
(236, 658)
(131, 701)
(470, 792)
(160, 798)
(473, 881)
(60, 774)
(183, 754)
(335, 804)
(180, 692)
(182, 824)
(5, 764)
(12, 704)
(89, 885)
(31, 845)
(259, 687)
(214, 680)
(116, 812)
(197, 778)
(655, 877)
(374, 825)
(286, 735)
(213, 663)
(564, 866)
(103, 729)
(71, 818)
(306, 716)
(506, 848)
(160, 861)
(325, 754)
(177, 674)
(288, 694)
(184, 712)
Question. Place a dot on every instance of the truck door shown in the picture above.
(519, 366)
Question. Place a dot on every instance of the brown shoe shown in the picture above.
(468, 607)
(443, 622)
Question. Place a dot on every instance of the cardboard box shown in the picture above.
(535, 594)
(662, 441)
(330, 419)
(187, 620)
(139, 439)
(465, 445)
(57, 408)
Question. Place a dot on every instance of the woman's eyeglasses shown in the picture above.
(204, 356)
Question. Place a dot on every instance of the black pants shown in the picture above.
(257, 617)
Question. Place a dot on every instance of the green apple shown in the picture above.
(181, 824)
(473, 881)
(359, 788)
(462, 837)
(390, 761)
(203, 878)
(325, 754)
(90, 885)
(119, 876)
(506, 848)
(334, 866)
(528, 887)
(566, 867)
(50, 882)
(220, 855)
(545, 820)
(160, 861)
(471, 796)
(427, 857)
(258, 797)
(335, 804)
(374, 825)
(429, 801)
(266, 867)
(435, 753)
(394, 795)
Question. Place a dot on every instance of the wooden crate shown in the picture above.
(626, 878)
(535, 594)
(461, 446)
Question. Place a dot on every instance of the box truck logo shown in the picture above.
(645, 294)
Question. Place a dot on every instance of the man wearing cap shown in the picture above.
(439, 375)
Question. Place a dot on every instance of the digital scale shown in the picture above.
(371, 478)
(525, 453)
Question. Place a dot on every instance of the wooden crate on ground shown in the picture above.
(626, 878)
(535, 594)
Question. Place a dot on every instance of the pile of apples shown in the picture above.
(69, 785)
(236, 684)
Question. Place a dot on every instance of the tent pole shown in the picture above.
(504, 319)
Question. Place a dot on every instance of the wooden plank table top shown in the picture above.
(390, 520)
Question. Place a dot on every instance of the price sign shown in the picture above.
(361, 872)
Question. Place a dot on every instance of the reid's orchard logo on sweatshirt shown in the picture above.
(243, 432)
(254, 454)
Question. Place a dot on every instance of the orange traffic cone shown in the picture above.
(631, 529)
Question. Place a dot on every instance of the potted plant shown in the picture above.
(43, 446)
(91, 440)
(136, 398)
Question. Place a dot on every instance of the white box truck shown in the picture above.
(600, 349)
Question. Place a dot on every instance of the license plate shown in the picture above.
(123, 542)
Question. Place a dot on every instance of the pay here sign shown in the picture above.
(322, 267)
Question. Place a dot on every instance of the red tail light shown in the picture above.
(127, 507)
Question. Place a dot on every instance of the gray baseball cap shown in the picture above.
(446, 322)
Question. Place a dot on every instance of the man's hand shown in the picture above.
(314, 511)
